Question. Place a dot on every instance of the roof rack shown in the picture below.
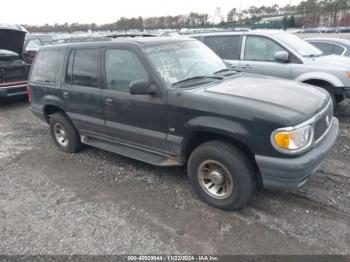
(130, 35)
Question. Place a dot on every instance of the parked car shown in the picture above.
(33, 42)
(335, 46)
(284, 55)
(172, 101)
(344, 30)
(13, 70)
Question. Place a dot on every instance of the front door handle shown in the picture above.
(247, 67)
(109, 101)
(66, 94)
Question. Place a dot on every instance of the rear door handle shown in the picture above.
(109, 101)
(66, 94)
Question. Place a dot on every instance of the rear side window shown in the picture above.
(47, 66)
(84, 67)
(227, 47)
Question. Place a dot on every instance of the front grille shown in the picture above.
(323, 123)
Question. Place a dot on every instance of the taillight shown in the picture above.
(29, 90)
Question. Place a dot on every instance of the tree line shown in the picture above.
(309, 13)
(312, 11)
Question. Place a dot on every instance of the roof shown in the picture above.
(142, 41)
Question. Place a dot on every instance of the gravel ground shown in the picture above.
(97, 202)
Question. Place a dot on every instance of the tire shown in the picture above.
(59, 122)
(221, 156)
(329, 88)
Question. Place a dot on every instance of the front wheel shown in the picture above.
(221, 175)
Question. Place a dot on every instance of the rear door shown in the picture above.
(228, 47)
(258, 57)
(81, 91)
(137, 120)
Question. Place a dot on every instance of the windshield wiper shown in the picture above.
(225, 70)
(197, 77)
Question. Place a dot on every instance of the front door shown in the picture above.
(81, 91)
(258, 57)
(137, 120)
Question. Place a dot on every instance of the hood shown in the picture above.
(331, 61)
(296, 101)
(12, 38)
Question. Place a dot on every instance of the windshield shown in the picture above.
(188, 60)
(302, 47)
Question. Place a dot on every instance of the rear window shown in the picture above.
(227, 47)
(46, 66)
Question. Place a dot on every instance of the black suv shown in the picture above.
(172, 101)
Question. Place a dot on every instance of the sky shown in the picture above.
(39, 12)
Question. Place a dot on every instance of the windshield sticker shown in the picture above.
(161, 48)
(168, 69)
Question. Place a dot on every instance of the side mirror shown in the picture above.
(282, 56)
(142, 87)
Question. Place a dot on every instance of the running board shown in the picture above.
(129, 151)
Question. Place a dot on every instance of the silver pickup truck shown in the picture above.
(284, 55)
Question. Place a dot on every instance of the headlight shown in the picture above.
(292, 141)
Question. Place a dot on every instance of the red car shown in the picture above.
(13, 69)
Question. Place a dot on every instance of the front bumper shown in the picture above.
(286, 173)
(14, 90)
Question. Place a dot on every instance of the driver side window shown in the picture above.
(123, 67)
(260, 49)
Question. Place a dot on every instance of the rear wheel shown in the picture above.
(221, 175)
(64, 134)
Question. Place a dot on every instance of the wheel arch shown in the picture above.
(200, 136)
(50, 109)
(320, 77)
